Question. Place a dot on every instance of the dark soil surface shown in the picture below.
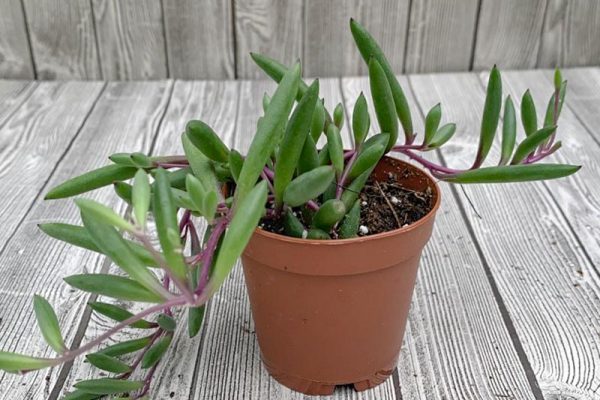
(385, 205)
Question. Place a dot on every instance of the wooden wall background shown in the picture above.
(211, 39)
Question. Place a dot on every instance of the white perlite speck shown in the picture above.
(364, 203)
(363, 230)
(304, 234)
(395, 200)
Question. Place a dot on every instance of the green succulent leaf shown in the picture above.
(200, 164)
(528, 114)
(80, 395)
(110, 242)
(122, 159)
(558, 80)
(166, 322)
(514, 173)
(549, 119)
(113, 286)
(338, 116)
(350, 194)
(442, 135)
(100, 212)
(124, 191)
(367, 159)
(292, 225)
(236, 162)
(196, 191)
(293, 141)
(309, 158)
(265, 101)
(195, 319)
(432, 122)
(141, 160)
(107, 363)
(126, 347)
(330, 213)
(80, 237)
(308, 186)
(361, 120)
(491, 116)
(268, 132)
(369, 48)
(509, 131)
(140, 197)
(119, 314)
(108, 386)
(317, 234)
(13, 362)
(91, 180)
(335, 148)
(165, 214)
(204, 138)
(350, 223)
(324, 155)
(383, 101)
(317, 125)
(48, 323)
(156, 352)
(530, 143)
(237, 236)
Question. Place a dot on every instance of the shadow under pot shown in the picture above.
(333, 312)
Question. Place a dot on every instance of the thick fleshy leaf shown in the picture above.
(79, 236)
(107, 363)
(236, 162)
(309, 158)
(119, 314)
(113, 286)
(266, 137)
(80, 395)
(196, 191)
(293, 141)
(324, 155)
(442, 135)
(209, 143)
(367, 159)
(318, 121)
(530, 143)
(514, 173)
(122, 159)
(91, 180)
(338, 116)
(124, 191)
(350, 194)
(292, 225)
(432, 122)
(13, 362)
(335, 148)
(166, 322)
(100, 212)
(243, 224)
(490, 117)
(195, 318)
(549, 119)
(383, 101)
(165, 215)
(156, 352)
(509, 131)
(308, 186)
(330, 213)
(349, 226)
(200, 164)
(126, 347)
(48, 323)
(528, 114)
(140, 197)
(361, 120)
(265, 101)
(141, 160)
(111, 243)
(108, 386)
(369, 48)
(209, 205)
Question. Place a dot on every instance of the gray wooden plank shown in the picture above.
(440, 36)
(456, 345)
(15, 56)
(215, 103)
(125, 117)
(570, 34)
(62, 39)
(329, 49)
(200, 39)
(267, 26)
(131, 43)
(546, 281)
(12, 96)
(228, 365)
(583, 96)
(508, 33)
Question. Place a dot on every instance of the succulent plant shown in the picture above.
(283, 173)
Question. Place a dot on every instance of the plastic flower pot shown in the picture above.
(333, 312)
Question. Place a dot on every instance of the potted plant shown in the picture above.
(330, 238)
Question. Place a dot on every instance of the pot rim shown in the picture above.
(362, 239)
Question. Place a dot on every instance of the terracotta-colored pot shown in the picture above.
(333, 312)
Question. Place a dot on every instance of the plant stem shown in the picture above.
(269, 172)
(312, 205)
(207, 255)
(342, 181)
(428, 164)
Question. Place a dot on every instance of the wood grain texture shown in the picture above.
(546, 280)
(570, 34)
(131, 43)
(12, 95)
(329, 49)
(456, 345)
(508, 33)
(271, 27)
(200, 39)
(63, 39)
(440, 36)
(214, 103)
(15, 54)
(124, 118)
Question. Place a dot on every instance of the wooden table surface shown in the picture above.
(507, 303)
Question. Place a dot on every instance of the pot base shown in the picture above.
(316, 388)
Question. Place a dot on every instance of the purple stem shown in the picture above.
(269, 173)
(348, 154)
(147, 382)
(311, 204)
(207, 255)
(266, 179)
(428, 164)
(342, 180)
